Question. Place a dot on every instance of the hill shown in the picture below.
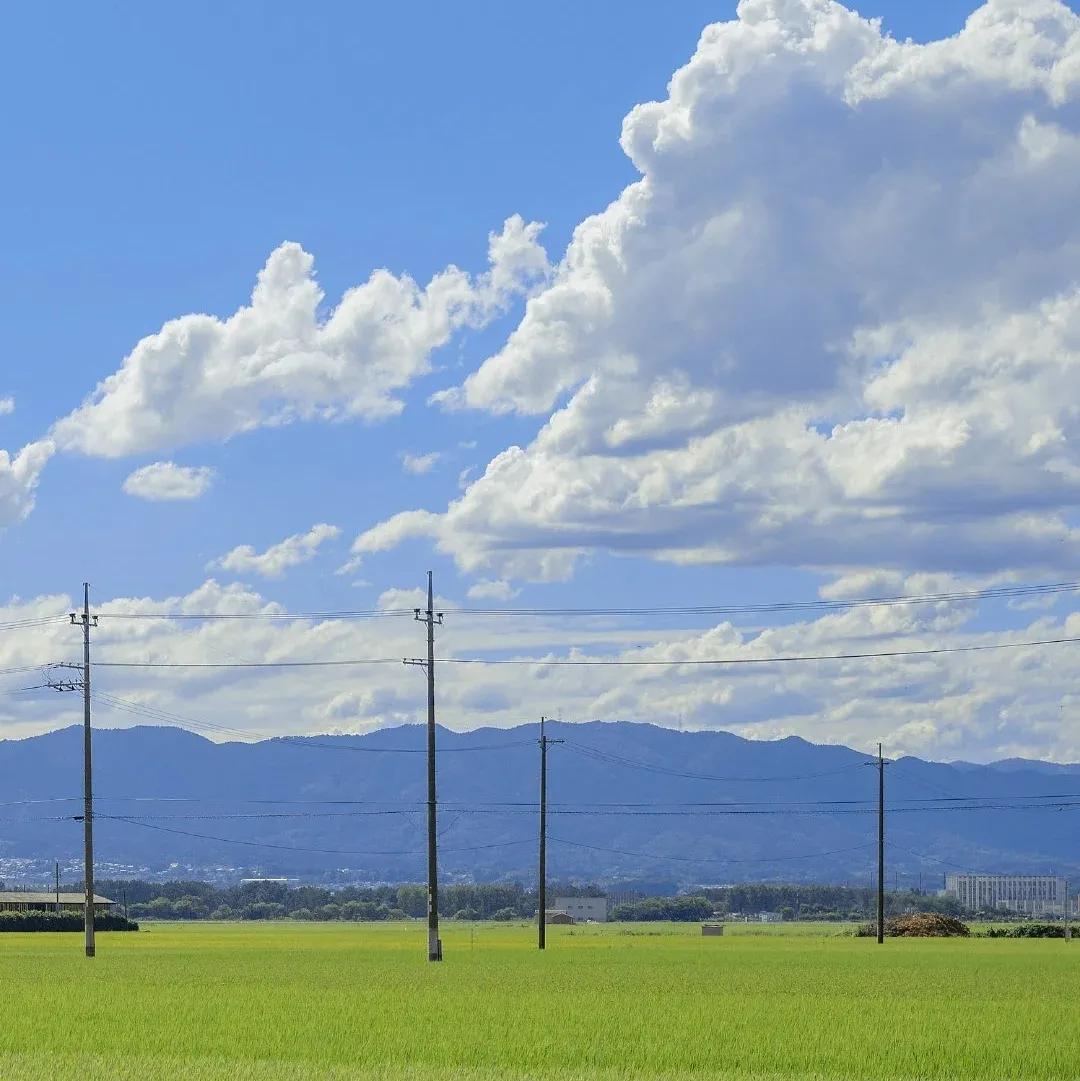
(694, 807)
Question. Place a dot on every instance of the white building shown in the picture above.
(1033, 894)
(584, 909)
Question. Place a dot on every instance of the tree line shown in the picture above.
(269, 900)
(812, 902)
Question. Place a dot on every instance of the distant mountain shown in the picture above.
(1010, 765)
(351, 808)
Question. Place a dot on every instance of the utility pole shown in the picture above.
(541, 914)
(58, 887)
(84, 618)
(881, 848)
(432, 619)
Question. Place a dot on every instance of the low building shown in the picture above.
(1034, 895)
(554, 916)
(584, 909)
(24, 901)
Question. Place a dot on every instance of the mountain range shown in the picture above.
(628, 804)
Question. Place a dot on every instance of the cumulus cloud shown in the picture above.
(19, 476)
(166, 482)
(977, 705)
(279, 359)
(492, 590)
(7, 406)
(835, 323)
(278, 558)
(418, 464)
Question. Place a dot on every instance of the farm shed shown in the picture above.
(24, 901)
(553, 915)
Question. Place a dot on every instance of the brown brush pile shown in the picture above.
(918, 925)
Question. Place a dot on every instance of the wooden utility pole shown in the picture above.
(432, 619)
(881, 848)
(1068, 914)
(541, 914)
(86, 621)
(58, 887)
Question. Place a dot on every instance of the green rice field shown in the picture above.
(294, 1002)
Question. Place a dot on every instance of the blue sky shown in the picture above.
(158, 157)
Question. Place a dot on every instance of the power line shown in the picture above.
(708, 859)
(956, 596)
(824, 807)
(584, 807)
(934, 859)
(613, 758)
(294, 848)
(991, 593)
(32, 623)
(548, 662)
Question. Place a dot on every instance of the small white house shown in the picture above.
(584, 909)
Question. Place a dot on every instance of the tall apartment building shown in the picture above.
(1033, 894)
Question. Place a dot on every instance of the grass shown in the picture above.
(359, 1002)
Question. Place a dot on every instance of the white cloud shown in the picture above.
(19, 476)
(7, 406)
(387, 535)
(492, 590)
(978, 705)
(278, 360)
(167, 481)
(836, 323)
(418, 464)
(278, 558)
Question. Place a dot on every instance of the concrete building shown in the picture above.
(1034, 895)
(584, 909)
(20, 901)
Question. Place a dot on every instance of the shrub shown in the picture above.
(65, 921)
(1028, 930)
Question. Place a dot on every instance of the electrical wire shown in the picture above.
(613, 758)
(957, 596)
(823, 807)
(708, 859)
(934, 859)
(31, 623)
(315, 851)
(547, 662)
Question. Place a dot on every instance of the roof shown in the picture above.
(26, 898)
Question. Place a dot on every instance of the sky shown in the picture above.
(616, 306)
